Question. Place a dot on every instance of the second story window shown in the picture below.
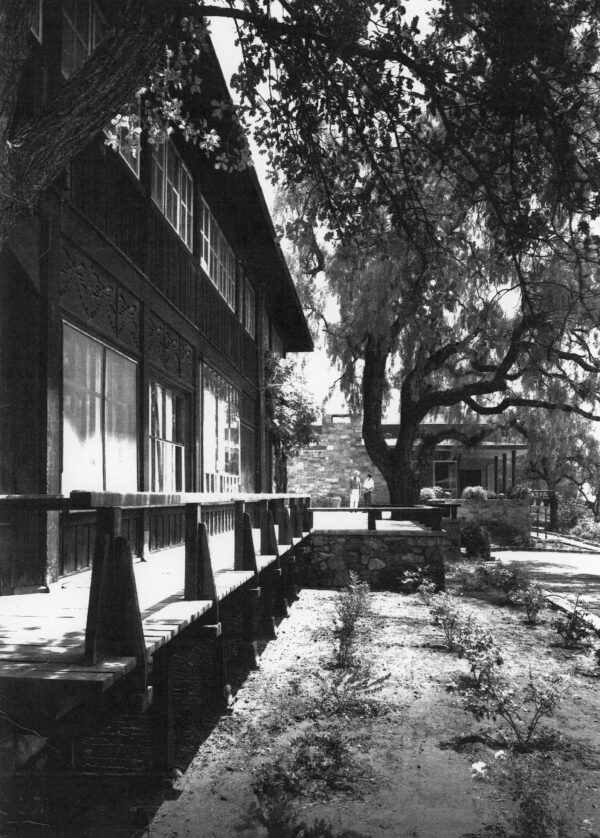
(217, 257)
(249, 309)
(172, 189)
(83, 29)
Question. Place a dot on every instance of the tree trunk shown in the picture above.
(553, 497)
(395, 464)
(33, 154)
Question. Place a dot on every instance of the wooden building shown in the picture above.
(135, 308)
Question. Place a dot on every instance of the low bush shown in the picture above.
(474, 493)
(498, 699)
(573, 626)
(511, 581)
(427, 493)
(520, 491)
(448, 613)
(352, 609)
(531, 597)
(475, 539)
(588, 529)
(479, 649)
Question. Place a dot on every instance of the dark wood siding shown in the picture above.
(106, 192)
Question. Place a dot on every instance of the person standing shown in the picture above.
(354, 489)
(368, 487)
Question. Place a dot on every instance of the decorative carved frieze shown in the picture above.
(97, 299)
(169, 350)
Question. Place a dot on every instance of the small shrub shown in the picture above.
(573, 626)
(451, 616)
(281, 821)
(349, 693)
(479, 649)
(475, 539)
(427, 493)
(417, 581)
(520, 491)
(587, 529)
(315, 764)
(474, 493)
(509, 580)
(497, 699)
(545, 806)
(533, 601)
(352, 609)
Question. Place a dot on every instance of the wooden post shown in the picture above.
(192, 568)
(307, 520)
(296, 519)
(238, 554)
(504, 472)
(248, 552)
(265, 546)
(285, 526)
(108, 527)
(496, 473)
(162, 710)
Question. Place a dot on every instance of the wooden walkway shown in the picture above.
(42, 635)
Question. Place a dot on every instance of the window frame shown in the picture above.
(217, 258)
(249, 308)
(104, 403)
(89, 41)
(183, 183)
(164, 442)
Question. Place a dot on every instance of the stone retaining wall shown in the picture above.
(507, 520)
(378, 557)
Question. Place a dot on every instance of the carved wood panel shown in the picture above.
(169, 350)
(96, 298)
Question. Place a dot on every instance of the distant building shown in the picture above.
(135, 307)
(324, 469)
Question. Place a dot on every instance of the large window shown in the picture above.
(83, 29)
(172, 189)
(444, 475)
(167, 440)
(216, 256)
(249, 309)
(221, 434)
(99, 416)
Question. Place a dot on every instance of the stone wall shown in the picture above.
(507, 520)
(378, 557)
(323, 471)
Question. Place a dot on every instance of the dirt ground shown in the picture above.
(407, 759)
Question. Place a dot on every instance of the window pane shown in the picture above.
(167, 451)
(158, 186)
(172, 186)
(82, 412)
(120, 424)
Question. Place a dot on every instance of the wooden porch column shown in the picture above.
(495, 474)
(51, 381)
(238, 549)
(162, 710)
(504, 463)
(261, 345)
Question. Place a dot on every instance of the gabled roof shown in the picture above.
(239, 206)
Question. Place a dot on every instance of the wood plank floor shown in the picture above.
(42, 635)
